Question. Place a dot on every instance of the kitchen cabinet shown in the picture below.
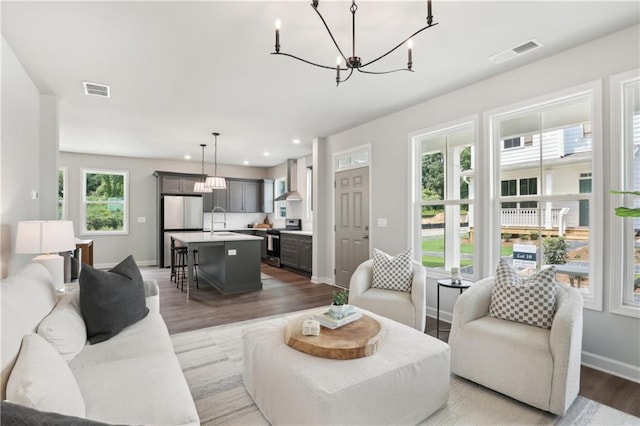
(295, 251)
(263, 245)
(244, 196)
(217, 198)
(177, 183)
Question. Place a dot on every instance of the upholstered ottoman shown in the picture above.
(404, 382)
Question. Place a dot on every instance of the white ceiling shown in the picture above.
(181, 70)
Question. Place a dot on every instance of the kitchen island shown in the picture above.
(228, 261)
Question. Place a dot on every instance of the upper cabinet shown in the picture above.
(177, 183)
(217, 198)
(244, 196)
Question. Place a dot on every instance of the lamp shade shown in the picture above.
(45, 236)
(201, 187)
(215, 182)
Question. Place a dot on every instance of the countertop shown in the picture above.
(206, 237)
(307, 233)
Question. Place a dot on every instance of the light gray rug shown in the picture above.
(264, 276)
(211, 360)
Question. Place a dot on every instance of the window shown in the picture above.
(62, 188)
(544, 198)
(104, 202)
(511, 143)
(625, 169)
(444, 175)
(280, 207)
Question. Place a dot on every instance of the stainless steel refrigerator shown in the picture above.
(179, 214)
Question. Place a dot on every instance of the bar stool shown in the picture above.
(181, 273)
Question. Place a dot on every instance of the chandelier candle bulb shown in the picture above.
(278, 24)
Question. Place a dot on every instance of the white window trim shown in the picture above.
(65, 188)
(414, 182)
(594, 298)
(125, 213)
(309, 198)
(616, 252)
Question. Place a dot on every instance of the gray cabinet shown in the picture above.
(217, 198)
(244, 196)
(295, 251)
(177, 183)
(263, 243)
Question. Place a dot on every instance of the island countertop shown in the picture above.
(208, 237)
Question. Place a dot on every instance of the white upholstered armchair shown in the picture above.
(407, 308)
(538, 366)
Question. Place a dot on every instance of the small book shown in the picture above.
(327, 321)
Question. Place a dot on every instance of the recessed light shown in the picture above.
(245, 162)
(187, 157)
(266, 154)
(296, 141)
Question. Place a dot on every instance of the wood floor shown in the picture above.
(288, 292)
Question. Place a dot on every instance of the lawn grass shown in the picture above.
(437, 245)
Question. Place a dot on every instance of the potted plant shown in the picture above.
(339, 304)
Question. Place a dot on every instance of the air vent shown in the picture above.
(96, 89)
(518, 50)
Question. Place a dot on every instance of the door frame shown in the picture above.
(334, 170)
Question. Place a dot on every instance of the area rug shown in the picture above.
(211, 359)
(264, 276)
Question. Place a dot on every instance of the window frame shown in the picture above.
(593, 299)
(84, 203)
(619, 175)
(415, 213)
(277, 205)
(63, 204)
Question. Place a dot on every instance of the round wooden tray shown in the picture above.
(357, 339)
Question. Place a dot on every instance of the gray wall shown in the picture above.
(141, 241)
(611, 342)
(29, 155)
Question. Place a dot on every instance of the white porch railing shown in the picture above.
(535, 217)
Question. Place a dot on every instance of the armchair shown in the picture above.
(537, 366)
(404, 307)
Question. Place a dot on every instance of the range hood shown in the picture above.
(292, 181)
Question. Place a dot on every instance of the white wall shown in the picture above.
(28, 156)
(614, 340)
(142, 238)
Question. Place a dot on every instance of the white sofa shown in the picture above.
(407, 308)
(132, 378)
(538, 366)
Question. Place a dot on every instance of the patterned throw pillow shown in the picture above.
(529, 301)
(392, 272)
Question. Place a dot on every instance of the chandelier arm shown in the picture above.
(399, 44)
(307, 62)
(347, 77)
(384, 72)
(330, 34)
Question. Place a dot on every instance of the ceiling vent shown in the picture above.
(518, 50)
(96, 89)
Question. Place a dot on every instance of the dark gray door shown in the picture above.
(352, 222)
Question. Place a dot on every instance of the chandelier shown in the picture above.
(215, 181)
(354, 62)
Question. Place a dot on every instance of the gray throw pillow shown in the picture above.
(529, 301)
(392, 272)
(111, 300)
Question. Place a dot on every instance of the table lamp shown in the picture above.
(47, 238)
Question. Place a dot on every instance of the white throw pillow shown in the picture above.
(41, 379)
(529, 301)
(392, 272)
(64, 327)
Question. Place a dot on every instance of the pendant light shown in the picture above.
(215, 181)
(200, 186)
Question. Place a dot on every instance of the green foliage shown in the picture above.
(433, 176)
(506, 236)
(555, 250)
(60, 185)
(101, 218)
(340, 297)
(534, 236)
(627, 211)
(524, 237)
(101, 187)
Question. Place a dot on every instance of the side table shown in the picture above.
(462, 285)
(87, 250)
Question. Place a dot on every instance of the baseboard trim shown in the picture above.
(597, 362)
(322, 280)
(611, 366)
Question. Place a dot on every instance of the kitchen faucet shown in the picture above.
(224, 217)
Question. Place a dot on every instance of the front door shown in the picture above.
(352, 222)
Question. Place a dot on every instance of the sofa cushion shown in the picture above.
(111, 300)
(64, 327)
(19, 415)
(41, 379)
(529, 301)
(392, 272)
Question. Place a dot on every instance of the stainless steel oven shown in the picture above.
(273, 240)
